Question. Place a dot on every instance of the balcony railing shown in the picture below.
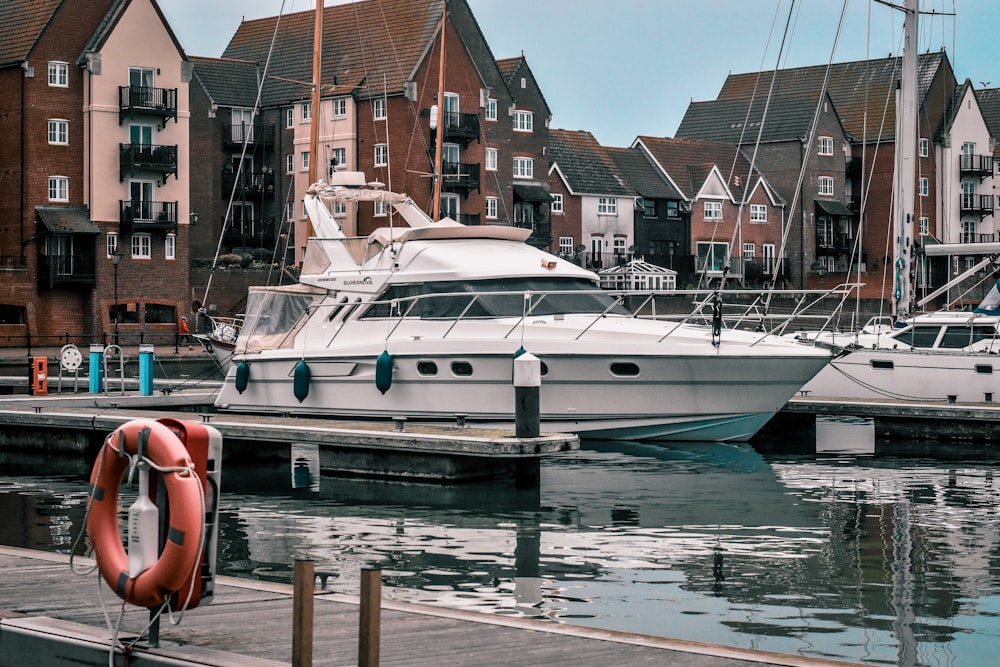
(463, 126)
(469, 219)
(76, 269)
(148, 215)
(145, 100)
(973, 203)
(147, 157)
(249, 186)
(976, 165)
(460, 176)
(257, 134)
(12, 262)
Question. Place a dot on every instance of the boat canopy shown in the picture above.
(273, 313)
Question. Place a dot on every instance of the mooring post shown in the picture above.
(302, 613)
(369, 631)
(527, 391)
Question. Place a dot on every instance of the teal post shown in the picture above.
(96, 369)
(145, 370)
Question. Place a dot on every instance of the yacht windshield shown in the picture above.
(502, 297)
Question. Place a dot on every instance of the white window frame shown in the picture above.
(338, 155)
(524, 121)
(924, 226)
(491, 109)
(492, 208)
(306, 157)
(289, 118)
(111, 244)
(290, 163)
(58, 131)
(749, 250)
(607, 206)
(824, 145)
(170, 246)
(142, 246)
(619, 245)
(339, 209)
(305, 112)
(379, 209)
(758, 214)
(923, 186)
(566, 245)
(379, 109)
(824, 186)
(490, 158)
(925, 146)
(290, 211)
(767, 257)
(713, 210)
(339, 107)
(557, 204)
(58, 74)
(710, 253)
(381, 155)
(524, 167)
(59, 188)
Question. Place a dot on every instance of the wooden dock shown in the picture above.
(52, 617)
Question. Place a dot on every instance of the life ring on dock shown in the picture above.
(181, 552)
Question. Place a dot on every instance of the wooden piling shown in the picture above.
(369, 633)
(302, 613)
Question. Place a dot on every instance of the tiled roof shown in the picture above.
(789, 117)
(989, 102)
(640, 173)
(862, 91)
(228, 83)
(21, 23)
(586, 164)
(508, 66)
(688, 163)
(362, 42)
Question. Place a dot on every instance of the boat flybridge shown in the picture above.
(425, 318)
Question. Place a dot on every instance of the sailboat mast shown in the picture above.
(441, 123)
(317, 71)
(905, 165)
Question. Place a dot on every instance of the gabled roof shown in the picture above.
(513, 68)
(21, 24)
(989, 102)
(110, 21)
(586, 166)
(689, 162)
(862, 90)
(228, 83)
(640, 173)
(362, 42)
(789, 118)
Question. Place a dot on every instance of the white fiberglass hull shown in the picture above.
(919, 375)
(598, 389)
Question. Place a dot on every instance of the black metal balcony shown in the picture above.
(976, 165)
(135, 158)
(469, 219)
(974, 204)
(460, 176)
(139, 216)
(147, 101)
(248, 187)
(66, 270)
(255, 134)
(462, 127)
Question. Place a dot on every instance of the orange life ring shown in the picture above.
(182, 549)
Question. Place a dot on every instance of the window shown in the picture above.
(59, 74)
(58, 131)
(305, 160)
(491, 159)
(338, 158)
(825, 185)
(378, 108)
(339, 209)
(141, 244)
(758, 213)
(379, 209)
(289, 163)
(449, 206)
(58, 188)
(767, 257)
(523, 121)
(557, 203)
(340, 107)
(713, 210)
(673, 208)
(607, 206)
(712, 256)
(648, 208)
(307, 109)
(618, 245)
(170, 247)
(524, 215)
(289, 117)
(111, 243)
(565, 245)
(491, 109)
(491, 208)
(749, 250)
(968, 231)
(290, 211)
(381, 155)
(925, 146)
(923, 186)
(524, 167)
(824, 232)
(824, 146)
(924, 226)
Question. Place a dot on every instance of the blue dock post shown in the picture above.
(96, 369)
(145, 370)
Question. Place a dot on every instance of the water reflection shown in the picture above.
(837, 555)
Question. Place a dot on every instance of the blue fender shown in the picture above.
(383, 372)
(242, 376)
(300, 380)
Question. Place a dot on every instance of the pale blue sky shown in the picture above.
(621, 68)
